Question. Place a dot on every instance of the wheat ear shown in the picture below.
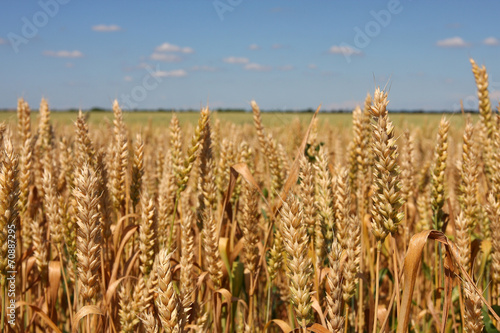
(211, 246)
(167, 304)
(335, 321)
(438, 174)
(147, 234)
(9, 192)
(386, 216)
(307, 191)
(299, 264)
(473, 317)
(188, 274)
(324, 222)
(485, 112)
(89, 241)
(342, 206)
(137, 171)
(119, 160)
(192, 153)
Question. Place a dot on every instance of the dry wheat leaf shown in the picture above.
(112, 287)
(83, 312)
(282, 324)
(226, 203)
(411, 265)
(244, 171)
(54, 283)
(129, 231)
(317, 328)
(42, 314)
(317, 307)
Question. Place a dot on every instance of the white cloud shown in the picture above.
(492, 41)
(63, 54)
(285, 68)
(312, 66)
(236, 60)
(344, 49)
(173, 73)
(69, 65)
(127, 78)
(254, 47)
(452, 42)
(165, 57)
(278, 46)
(257, 67)
(2, 41)
(167, 47)
(106, 28)
(203, 69)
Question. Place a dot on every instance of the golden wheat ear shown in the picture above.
(485, 111)
(334, 298)
(192, 153)
(138, 169)
(147, 234)
(299, 264)
(89, 239)
(119, 168)
(9, 193)
(168, 305)
(323, 225)
(387, 183)
(438, 175)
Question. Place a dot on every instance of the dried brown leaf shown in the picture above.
(42, 314)
(83, 312)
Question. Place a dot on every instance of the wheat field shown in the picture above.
(225, 226)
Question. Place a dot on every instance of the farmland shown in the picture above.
(368, 221)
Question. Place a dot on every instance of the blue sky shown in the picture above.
(284, 54)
